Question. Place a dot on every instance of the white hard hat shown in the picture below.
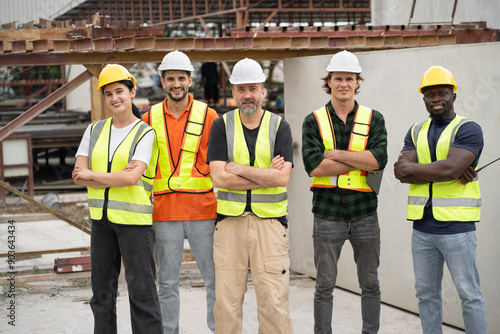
(344, 61)
(247, 71)
(175, 60)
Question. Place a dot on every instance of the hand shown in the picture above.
(402, 167)
(81, 173)
(468, 176)
(130, 167)
(277, 163)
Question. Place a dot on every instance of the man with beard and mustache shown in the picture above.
(184, 201)
(341, 142)
(438, 160)
(250, 155)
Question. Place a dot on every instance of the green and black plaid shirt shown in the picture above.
(336, 203)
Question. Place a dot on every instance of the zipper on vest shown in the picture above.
(106, 198)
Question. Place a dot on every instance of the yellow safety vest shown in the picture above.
(183, 177)
(451, 200)
(265, 202)
(355, 179)
(129, 205)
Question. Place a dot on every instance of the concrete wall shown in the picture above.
(80, 98)
(391, 82)
(398, 11)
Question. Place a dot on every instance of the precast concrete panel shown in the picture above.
(392, 78)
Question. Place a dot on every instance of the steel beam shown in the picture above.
(44, 104)
(47, 251)
(46, 208)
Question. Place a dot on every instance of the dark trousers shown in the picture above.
(328, 239)
(134, 243)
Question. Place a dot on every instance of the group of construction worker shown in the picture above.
(151, 186)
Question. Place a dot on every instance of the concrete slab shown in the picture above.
(41, 235)
(62, 307)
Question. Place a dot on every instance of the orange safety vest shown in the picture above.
(180, 177)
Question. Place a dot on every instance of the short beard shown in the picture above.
(440, 117)
(177, 99)
(249, 111)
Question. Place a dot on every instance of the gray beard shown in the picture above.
(249, 111)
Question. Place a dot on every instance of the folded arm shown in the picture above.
(126, 177)
(455, 166)
(337, 162)
(242, 177)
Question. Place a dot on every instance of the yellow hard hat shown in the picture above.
(113, 73)
(437, 76)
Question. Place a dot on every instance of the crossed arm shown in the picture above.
(337, 162)
(455, 166)
(242, 177)
(129, 176)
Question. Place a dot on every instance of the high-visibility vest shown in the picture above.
(451, 200)
(130, 205)
(355, 179)
(265, 202)
(183, 177)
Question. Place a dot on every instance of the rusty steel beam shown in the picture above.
(309, 10)
(46, 208)
(47, 251)
(191, 18)
(44, 104)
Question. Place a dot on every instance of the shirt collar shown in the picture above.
(167, 112)
(330, 109)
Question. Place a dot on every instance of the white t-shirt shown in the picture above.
(142, 152)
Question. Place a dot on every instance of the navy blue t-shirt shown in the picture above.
(470, 137)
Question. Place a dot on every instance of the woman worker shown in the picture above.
(116, 161)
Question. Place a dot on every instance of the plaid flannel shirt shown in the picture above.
(335, 203)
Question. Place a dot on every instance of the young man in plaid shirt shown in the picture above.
(341, 143)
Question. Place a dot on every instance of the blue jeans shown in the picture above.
(134, 243)
(430, 251)
(168, 252)
(328, 239)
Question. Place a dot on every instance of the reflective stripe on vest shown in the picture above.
(184, 177)
(355, 179)
(129, 205)
(265, 202)
(451, 200)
